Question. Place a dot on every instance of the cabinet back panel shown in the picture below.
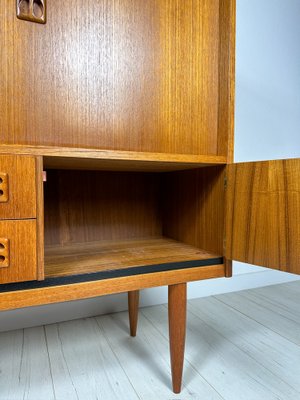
(86, 206)
(125, 75)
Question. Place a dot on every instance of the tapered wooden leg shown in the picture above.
(133, 308)
(177, 329)
(228, 268)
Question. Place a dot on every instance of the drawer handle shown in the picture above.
(32, 10)
(4, 252)
(3, 187)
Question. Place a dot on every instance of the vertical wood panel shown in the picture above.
(193, 207)
(22, 250)
(40, 218)
(93, 205)
(21, 187)
(263, 215)
(226, 78)
(127, 75)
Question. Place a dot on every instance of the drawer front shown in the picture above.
(18, 261)
(17, 187)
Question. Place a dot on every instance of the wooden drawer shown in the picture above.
(17, 187)
(18, 260)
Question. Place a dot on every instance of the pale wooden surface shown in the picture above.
(80, 258)
(86, 206)
(22, 258)
(117, 75)
(40, 229)
(239, 346)
(177, 309)
(21, 187)
(193, 207)
(263, 214)
(113, 160)
(86, 290)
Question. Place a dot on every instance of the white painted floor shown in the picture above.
(243, 345)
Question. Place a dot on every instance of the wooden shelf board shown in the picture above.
(93, 159)
(87, 258)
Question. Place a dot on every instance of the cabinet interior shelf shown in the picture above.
(111, 160)
(124, 257)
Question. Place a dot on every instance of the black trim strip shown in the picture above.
(97, 276)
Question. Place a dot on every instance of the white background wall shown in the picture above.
(267, 127)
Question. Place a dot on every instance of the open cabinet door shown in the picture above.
(263, 214)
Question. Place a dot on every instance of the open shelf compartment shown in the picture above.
(117, 223)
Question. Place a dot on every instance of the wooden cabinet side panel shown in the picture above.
(263, 214)
(21, 186)
(193, 206)
(227, 26)
(22, 251)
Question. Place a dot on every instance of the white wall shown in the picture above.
(267, 119)
(267, 127)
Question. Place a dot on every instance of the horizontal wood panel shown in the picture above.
(82, 258)
(127, 75)
(263, 214)
(20, 187)
(21, 258)
(92, 159)
(35, 297)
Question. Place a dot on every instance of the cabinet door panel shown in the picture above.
(17, 251)
(17, 187)
(263, 214)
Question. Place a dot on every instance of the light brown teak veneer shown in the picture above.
(263, 217)
(18, 259)
(79, 258)
(138, 76)
(128, 108)
(18, 187)
(50, 295)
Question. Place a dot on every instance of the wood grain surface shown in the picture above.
(263, 214)
(85, 206)
(177, 330)
(133, 310)
(193, 207)
(40, 218)
(130, 75)
(20, 186)
(95, 159)
(226, 78)
(57, 294)
(81, 258)
(22, 250)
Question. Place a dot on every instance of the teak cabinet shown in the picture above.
(116, 151)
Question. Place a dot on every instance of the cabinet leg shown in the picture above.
(228, 268)
(177, 329)
(133, 308)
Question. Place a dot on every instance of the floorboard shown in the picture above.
(240, 346)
